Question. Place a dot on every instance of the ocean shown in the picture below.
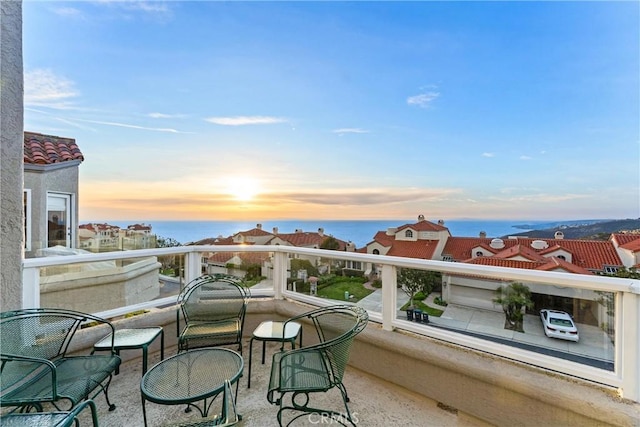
(359, 232)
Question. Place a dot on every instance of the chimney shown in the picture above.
(259, 226)
(441, 222)
(321, 231)
(351, 247)
(275, 230)
(391, 231)
(298, 230)
(559, 235)
(420, 218)
(483, 234)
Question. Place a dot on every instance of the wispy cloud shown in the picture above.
(68, 12)
(245, 120)
(423, 100)
(350, 130)
(42, 87)
(130, 126)
(488, 154)
(165, 116)
(525, 157)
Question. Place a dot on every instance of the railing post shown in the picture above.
(280, 264)
(192, 261)
(31, 287)
(389, 296)
(630, 342)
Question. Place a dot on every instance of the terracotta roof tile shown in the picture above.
(421, 249)
(588, 254)
(48, 149)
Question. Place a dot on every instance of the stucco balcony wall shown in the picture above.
(96, 290)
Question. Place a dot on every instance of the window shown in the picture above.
(562, 257)
(479, 253)
(408, 233)
(447, 258)
(59, 220)
(27, 219)
(376, 252)
(610, 269)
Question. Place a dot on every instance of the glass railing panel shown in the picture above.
(256, 268)
(329, 279)
(564, 322)
(99, 286)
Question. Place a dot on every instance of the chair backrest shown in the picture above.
(336, 327)
(41, 332)
(211, 298)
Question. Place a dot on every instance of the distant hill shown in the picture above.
(584, 229)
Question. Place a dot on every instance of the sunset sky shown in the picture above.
(341, 110)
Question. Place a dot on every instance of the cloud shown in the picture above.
(488, 155)
(68, 12)
(126, 125)
(164, 116)
(363, 197)
(350, 130)
(45, 89)
(245, 120)
(423, 100)
(525, 158)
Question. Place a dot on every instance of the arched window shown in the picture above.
(562, 257)
(408, 233)
(479, 253)
(376, 252)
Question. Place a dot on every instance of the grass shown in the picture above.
(425, 308)
(336, 291)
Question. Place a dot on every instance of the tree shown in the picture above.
(167, 261)
(413, 281)
(513, 299)
(330, 243)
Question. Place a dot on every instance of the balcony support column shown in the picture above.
(280, 265)
(389, 296)
(630, 343)
(192, 267)
(31, 287)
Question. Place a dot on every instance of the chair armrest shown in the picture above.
(39, 364)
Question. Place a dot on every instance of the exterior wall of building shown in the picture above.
(42, 181)
(100, 287)
(11, 155)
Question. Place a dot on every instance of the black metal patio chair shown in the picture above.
(35, 367)
(319, 367)
(50, 419)
(213, 308)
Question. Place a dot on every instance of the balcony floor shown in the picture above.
(373, 401)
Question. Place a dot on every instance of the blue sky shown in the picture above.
(341, 110)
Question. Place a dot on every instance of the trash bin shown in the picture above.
(417, 314)
(409, 313)
(346, 295)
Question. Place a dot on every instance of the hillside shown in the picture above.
(593, 231)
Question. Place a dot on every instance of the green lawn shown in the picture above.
(336, 291)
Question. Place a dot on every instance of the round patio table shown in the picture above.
(193, 376)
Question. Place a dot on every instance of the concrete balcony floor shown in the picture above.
(374, 402)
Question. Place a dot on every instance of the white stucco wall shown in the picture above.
(11, 153)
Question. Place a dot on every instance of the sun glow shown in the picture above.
(243, 188)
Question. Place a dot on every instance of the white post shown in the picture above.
(192, 261)
(31, 287)
(280, 264)
(630, 342)
(389, 296)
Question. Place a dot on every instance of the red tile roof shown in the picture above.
(547, 264)
(424, 226)
(43, 149)
(628, 241)
(421, 249)
(588, 254)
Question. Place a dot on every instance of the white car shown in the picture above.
(558, 324)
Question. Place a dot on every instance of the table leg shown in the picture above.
(264, 343)
(144, 359)
(162, 344)
(250, 357)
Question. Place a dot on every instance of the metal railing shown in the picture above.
(625, 375)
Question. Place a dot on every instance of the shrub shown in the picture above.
(377, 283)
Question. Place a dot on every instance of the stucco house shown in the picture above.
(51, 166)
(428, 240)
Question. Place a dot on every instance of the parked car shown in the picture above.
(558, 324)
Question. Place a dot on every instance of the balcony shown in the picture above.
(460, 369)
